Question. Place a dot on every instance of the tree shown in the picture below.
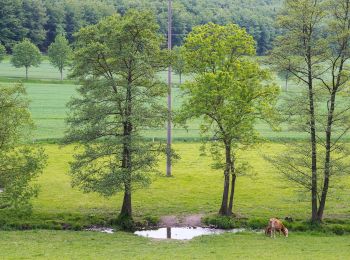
(182, 21)
(337, 120)
(19, 164)
(300, 51)
(94, 11)
(26, 54)
(256, 16)
(35, 27)
(178, 63)
(11, 22)
(116, 62)
(286, 76)
(59, 53)
(2, 52)
(72, 19)
(55, 22)
(314, 50)
(229, 92)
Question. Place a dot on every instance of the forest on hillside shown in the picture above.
(42, 20)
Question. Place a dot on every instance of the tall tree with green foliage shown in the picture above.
(2, 52)
(301, 52)
(55, 21)
(72, 19)
(19, 164)
(11, 22)
(93, 11)
(60, 53)
(229, 92)
(26, 54)
(179, 64)
(116, 62)
(335, 85)
(314, 50)
(35, 26)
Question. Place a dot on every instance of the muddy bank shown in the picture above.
(181, 221)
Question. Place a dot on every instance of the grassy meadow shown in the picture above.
(49, 97)
(88, 245)
(195, 189)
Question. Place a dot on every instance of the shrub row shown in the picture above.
(338, 227)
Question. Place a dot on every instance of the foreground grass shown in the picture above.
(90, 245)
(195, 188)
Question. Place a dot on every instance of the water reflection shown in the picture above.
(182, 233)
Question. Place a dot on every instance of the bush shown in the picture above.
(77, 227)
(257, 223)
(151, 221)
(337, 229)
(125, 223)
(298, 226)
(220, 222)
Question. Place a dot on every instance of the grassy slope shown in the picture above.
(195, 188)
(87, 245)
(44, 71)
(49, 97)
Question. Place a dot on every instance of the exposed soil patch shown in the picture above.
(181, 221)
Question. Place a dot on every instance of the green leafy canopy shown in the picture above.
(19, 164)
(60, 53)
(26, 54)
(2, 52)
(117, 62)
(231, 92)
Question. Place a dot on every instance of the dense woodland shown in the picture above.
(42, 20)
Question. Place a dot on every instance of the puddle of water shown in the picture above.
(101, 229)
(183, 233)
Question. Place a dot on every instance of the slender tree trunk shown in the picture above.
(26, 73)
(233, 185)
(126, 210)
(224, 204)
(327, 166)
(224, 209)
(180, 75)
(61, 71)
(313, 140)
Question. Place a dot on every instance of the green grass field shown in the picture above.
(49, 97)
(45, 71)
(195, 188)
(87, 245)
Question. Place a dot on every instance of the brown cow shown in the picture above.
(276, 225)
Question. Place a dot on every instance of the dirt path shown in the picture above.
(181, 221)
